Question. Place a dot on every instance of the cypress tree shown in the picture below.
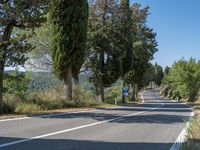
(69, 19)
(127, 39)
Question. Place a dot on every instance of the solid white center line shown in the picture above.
(75, 128)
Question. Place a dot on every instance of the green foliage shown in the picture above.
(144, 46)
(17, 82)
(69, 22)
(104, 44)
(40, 56)
(84, 98)
(27, 16)
(15, 15)
(113, 92)
(184, 79)
(158, 74)
(41, 81)
(126, 36)
(166, 70)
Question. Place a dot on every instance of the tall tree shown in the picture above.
(126, 40)
(166, 70)
(158, 74)
(144, 46)
(40, 58)
(69, 20)
(103, 58)
(17, 14)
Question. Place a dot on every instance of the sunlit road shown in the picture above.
(154, 125)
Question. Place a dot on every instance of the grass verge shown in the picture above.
(193, 132)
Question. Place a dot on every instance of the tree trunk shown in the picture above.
(102, 91)
(123, 97)
(5, 37)
(1, 83)
(101, 88)
(102, 71)
(76, 80)
(68, 85)
(136, 91)
(133, 92)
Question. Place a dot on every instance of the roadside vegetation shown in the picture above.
(182, 82)
(80, 57)
(192, 141)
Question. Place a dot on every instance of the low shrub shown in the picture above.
(10, 102)
(113, 93)
(193, 136)
(27, 108)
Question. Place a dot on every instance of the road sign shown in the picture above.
(125, 91)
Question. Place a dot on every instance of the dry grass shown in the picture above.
(55, 111)
(193, 133)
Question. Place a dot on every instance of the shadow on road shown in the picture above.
(143, 118)
(70, 144)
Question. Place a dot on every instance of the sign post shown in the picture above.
(125, 91)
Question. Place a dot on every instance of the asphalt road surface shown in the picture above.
(153, 125)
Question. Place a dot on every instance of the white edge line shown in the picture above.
(72, 129)
(47, 115)
(182, 136)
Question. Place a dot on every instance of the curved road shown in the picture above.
(153, 125)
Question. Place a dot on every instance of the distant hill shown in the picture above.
(47, 80)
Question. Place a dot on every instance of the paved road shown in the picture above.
(154, 125)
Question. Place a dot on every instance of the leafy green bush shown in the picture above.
(184, 79)
(113, 93)
(16, 82)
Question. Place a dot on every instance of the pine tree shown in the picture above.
(103, 60)
(17, 14)
(69, 19)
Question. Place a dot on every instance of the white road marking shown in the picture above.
(12, 119)
(181, 138)
(75, 128)
(48, 115)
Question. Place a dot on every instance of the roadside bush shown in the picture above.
(184, 79)
(27, 108)
(10, 102)
(112, 93)
(193, 136)
(54, 99)
(16, 82)
(84, 98)
(48, 100)
(6, 109)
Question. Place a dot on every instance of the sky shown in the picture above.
(177, 24)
